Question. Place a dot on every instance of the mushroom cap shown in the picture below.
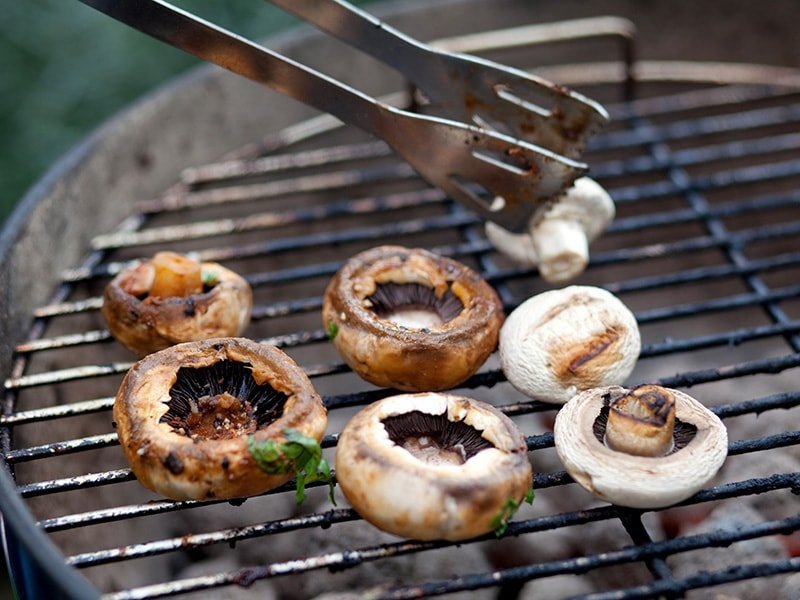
(402, 495)
(586, 202)
(561, 342)
(178, 467)
(638, 481)
(151, 324)
(388, 354)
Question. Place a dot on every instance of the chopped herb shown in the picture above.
(501, 519)
(299, 454)
(333, 330)
(209, 278)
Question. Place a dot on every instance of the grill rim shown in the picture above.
(17, 519)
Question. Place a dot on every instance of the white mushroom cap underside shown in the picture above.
(561, 342)
(639, 481)
(402, 495)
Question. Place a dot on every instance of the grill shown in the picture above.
(701, 159)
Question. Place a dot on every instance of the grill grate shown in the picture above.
(704, 249)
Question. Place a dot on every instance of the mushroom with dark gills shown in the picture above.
(410, 319)
(647, 447)
(189, 416)
(433, 466)
(561, 342)
(173, 298)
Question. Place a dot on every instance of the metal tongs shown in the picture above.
(505, 177)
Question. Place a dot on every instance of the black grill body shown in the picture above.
(704, 250)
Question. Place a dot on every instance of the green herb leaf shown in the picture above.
(530, 496)
(209, 278)
(501, 519)
(333, 330)
(299, 454)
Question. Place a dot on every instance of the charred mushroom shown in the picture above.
(410, 319)
(187, 416)
(558, 242)
(433, 466)
(173, 298)
(647, 447)
(561, 342)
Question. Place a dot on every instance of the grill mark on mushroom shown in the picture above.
(221, 401)
(389, 297)
(593, 349)
(423, 434)
(681, 435)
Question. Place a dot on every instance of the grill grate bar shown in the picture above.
(697, 128)
(67, 484)
(705, 579)
(698, 156)
(56, 412)
(271, 219)
(496, 276)
(639, 535)
(352, 558)
(246, 192)
(92, 442)
(239, 168)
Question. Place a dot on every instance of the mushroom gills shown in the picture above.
(414, 305)
(435, 439)
(221, 401)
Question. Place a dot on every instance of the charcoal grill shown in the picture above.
(702, 160)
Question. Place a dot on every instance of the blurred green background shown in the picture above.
(65, 68)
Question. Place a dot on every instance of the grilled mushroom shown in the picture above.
(558, 243)
(433, 466)
(647, 447)
(412, 320)
(173, 298)
(561, 342)
(185, 416)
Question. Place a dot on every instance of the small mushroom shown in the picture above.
(186, 416)
(558, 242)
(647, 447)
(410, 319)
(171, 299)
(433, 466)
(561, 342)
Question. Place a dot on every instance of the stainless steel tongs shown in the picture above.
(505, 177)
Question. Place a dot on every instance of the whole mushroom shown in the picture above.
(433, 466)
(188, 416)
(563, 341)
(173, 298)
(410, 319)
(648, 447)
(558, 242)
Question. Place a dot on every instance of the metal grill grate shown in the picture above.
(704, 249)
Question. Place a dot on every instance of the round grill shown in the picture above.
(701, 159)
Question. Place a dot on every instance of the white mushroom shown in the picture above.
(689, 446)
(561, 342)
(558, 243)
(433, 466)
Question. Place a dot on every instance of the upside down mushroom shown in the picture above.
(410, 319)
(561, 342)
(188, 418)
(173, 298)
(558, 242)
(433, 466)
(647, 447)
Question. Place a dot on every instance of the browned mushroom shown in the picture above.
(410, 319)
(433, 466)
(187, 416)
(173, 298)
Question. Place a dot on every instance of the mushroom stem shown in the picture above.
(642, 422)
(176, 276)
(562, 248)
